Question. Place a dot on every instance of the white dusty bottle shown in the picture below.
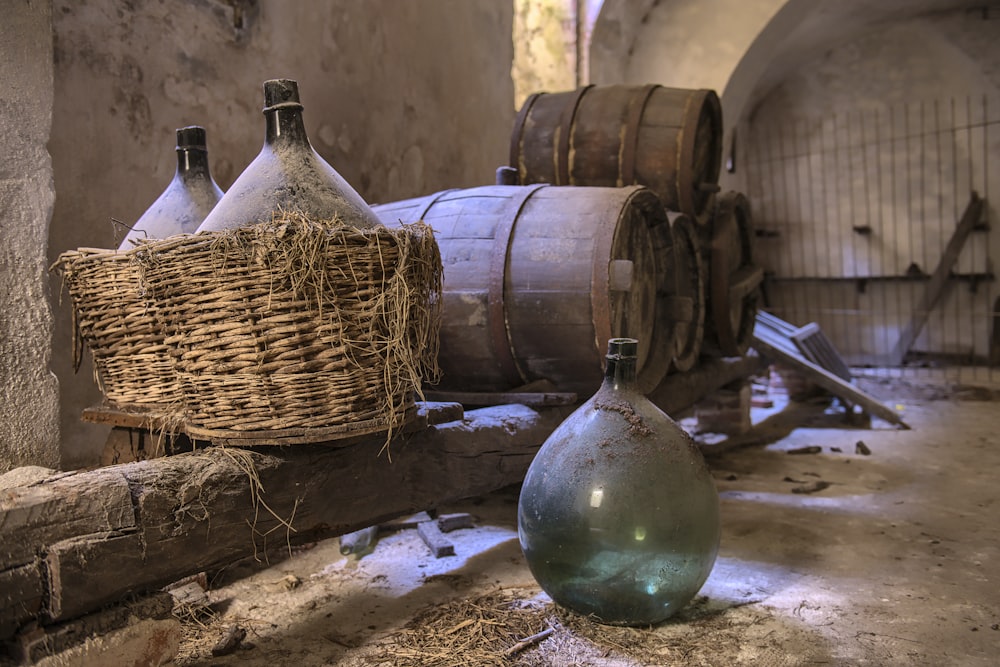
(288, 174)
(188, 199)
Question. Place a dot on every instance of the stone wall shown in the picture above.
(29, 428)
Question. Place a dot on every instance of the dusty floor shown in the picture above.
(893, 563)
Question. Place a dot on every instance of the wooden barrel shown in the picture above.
(733, 279)
(668, 139)
(690, 330)
(537, 279)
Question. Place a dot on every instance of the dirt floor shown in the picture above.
(880, 549)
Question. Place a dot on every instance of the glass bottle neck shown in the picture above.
(284, 125)
(620, 372)
(192, 160)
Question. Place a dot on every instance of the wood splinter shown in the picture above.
(528, 642)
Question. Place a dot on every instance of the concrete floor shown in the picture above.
(893, 563)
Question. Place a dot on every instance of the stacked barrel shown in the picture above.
(608, 222)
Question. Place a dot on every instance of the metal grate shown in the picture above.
(857, 216)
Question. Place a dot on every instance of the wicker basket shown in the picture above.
(297, 324)
(132, 364)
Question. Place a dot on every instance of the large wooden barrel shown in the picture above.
(668, 139)
(690, 330)
(538, 278)
(733, 279)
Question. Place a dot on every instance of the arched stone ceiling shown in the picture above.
(797, 31)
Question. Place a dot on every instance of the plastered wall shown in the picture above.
(402, 98)
(29, 427)
(696, 43)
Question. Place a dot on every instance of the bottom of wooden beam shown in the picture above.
(137, 632)
(680, 391)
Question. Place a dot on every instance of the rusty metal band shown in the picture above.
(724, 226)
(517, 134)
(565, 129)
(630, 140)
(496, 308)
(600, 296)
(686, 234)
(687, 135)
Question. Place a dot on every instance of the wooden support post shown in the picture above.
(92, 537)
(935, 288)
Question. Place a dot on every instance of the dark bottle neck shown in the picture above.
(284, 125)
(192, 161)
(620, 372)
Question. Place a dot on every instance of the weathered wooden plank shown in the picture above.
(208, 508)
(531, 399)
(828, 380)
(435, 540)
(21, 595)
(935, 288)
(60, 508)
(139, 436)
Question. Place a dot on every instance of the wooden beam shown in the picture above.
(679, 391)
(935, 288)
(156, 521)
(44, 644)
(60, 507)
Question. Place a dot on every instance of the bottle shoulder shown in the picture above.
(287, 176)
(179, 209)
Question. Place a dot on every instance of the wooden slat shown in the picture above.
(817, 348)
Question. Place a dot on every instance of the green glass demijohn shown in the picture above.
(618, 515)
